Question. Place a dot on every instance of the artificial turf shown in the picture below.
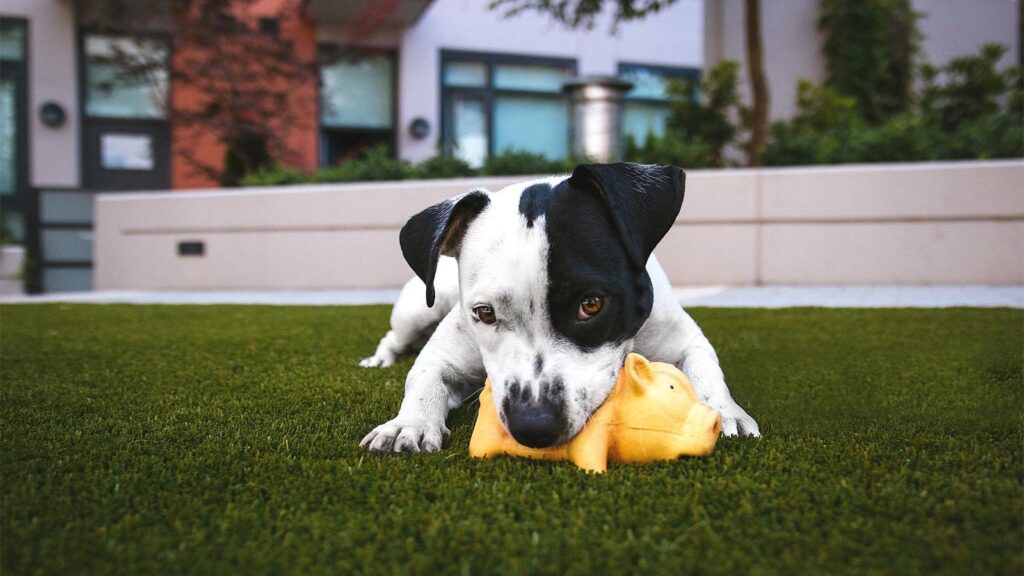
(179, 439)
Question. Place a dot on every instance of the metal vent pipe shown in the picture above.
(596, 115)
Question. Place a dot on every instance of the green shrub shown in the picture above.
(996, 135)
(275, 175)
(377, 164)
(520, 162)
(442, 166)
(870, 48)
(974, 88)
(668, 150)
(974, 113)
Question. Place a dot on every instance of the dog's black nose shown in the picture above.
(536, 425)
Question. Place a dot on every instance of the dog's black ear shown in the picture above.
(438, 231)
(644, 200)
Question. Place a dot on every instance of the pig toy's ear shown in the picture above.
(638, 373)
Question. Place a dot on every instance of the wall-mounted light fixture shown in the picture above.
(419, 128)
(52, 115)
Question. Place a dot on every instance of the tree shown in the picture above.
(582, 13)
(758, 84)
(870, 51)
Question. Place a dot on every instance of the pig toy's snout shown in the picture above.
(701, 430)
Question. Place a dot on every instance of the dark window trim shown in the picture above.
(488, 93)
(324, 130)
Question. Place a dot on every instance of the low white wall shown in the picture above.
(928, 223)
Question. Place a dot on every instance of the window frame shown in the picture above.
(324, 132)
(489, 93)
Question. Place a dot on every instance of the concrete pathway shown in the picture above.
(716, 297)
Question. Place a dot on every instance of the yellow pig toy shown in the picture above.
(651, 414)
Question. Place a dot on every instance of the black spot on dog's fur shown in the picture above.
(538, 365)
(531, 202)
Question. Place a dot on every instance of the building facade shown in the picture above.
(119, 95)
(106, 95)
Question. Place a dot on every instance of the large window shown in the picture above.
(646, 107)
(494, 103)
(125, 77)
(357, 102)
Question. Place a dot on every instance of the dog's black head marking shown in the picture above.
(532, 202)
(602, 225)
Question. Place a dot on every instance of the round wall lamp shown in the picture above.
(52, 114)
(419, 128)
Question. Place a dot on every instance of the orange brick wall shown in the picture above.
(205, 108)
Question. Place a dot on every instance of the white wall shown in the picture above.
(925, 223)
(792, 45)
(672, 38)
(52, 77)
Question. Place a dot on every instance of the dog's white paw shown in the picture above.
(405, 434)
(735, 420)
(377, 361)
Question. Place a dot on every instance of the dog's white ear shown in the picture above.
(438, 231)
(644, 200)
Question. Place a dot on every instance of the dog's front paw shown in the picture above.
(377, 361)
(735, 420)
(405, 434)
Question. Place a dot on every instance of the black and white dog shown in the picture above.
(548, 286)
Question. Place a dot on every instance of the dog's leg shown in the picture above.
(411, 320)
(671, 335)
(444, 372)
(700, 364)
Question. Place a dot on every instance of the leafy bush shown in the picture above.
(669, 150)
(378, 164)
(870, 49)
(518, 162)
(973, 88)
(275, 175)
(442, 166)
(975, 113)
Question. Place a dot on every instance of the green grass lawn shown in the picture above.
(174, 439)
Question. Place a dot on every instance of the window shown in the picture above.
(357, 101)
(13, 177)
(125, 106)
(126, 77)
(493, 104)
(646, 107)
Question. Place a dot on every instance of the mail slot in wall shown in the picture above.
(191, 248)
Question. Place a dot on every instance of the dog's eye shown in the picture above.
(485, 314)
(589, 307)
